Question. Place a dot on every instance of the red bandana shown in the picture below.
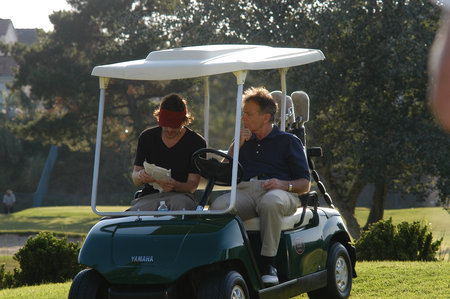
(172, 119)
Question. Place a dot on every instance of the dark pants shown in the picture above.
(174, 200)
(8, 209)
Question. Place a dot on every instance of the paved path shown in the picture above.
(11, 243)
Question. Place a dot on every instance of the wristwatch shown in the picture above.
(290, 187)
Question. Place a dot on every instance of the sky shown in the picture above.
(31, 13)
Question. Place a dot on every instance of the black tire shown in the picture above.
(224, 285)
(339, 275)
(88, 284)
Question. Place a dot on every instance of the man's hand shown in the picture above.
(244, 136)
(274, 184)
(299, 186)
(144, 177)
(167, 185)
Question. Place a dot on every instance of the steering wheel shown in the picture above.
(217, 172)
(220, 172)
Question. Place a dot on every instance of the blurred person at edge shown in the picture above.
(439, 68)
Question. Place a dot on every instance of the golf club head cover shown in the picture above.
(300, 101)
(290, 111)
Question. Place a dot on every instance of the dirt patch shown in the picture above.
(11, 243)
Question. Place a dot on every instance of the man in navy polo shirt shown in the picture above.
(276, 171)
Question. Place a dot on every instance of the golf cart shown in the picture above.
(212, 253)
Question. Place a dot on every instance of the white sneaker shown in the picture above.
(270, 277)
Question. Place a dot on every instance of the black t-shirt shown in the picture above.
(178, 158)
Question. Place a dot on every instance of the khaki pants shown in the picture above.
(271, 206)
(175, 201)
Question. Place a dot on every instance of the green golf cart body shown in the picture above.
(205, 253)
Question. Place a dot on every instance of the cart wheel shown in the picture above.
(224, 285)
(88, 284)
(339, 275)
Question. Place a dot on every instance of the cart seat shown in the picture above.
(289, 222)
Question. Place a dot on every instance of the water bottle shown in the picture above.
(162, 206)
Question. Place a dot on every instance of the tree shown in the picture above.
(58, 71)
(368, 98)
(21, 160)
(373, 111)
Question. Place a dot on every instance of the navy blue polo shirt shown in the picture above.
(279, 155)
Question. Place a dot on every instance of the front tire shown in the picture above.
(339, 275)
(224, 285)
(88, 284)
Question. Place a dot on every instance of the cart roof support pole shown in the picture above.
(283, 72)
(206, 111)
(240, 78)
(103, 84)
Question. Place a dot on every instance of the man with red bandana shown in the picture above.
(170, 146)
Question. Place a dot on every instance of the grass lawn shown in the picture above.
(387, 280)
(400, 280)
(9, 262)
(46, 291)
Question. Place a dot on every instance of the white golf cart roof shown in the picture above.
(201, 61)
(194, 62)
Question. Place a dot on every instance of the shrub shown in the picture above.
(2, 276)
(405, 242)
(46, 258)
(6, 279)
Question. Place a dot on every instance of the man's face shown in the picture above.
(252, 117)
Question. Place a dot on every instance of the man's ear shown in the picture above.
(266, 117)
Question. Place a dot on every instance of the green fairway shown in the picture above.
(66, 220)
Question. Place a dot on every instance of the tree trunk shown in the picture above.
(347, 209)
(350, 220)
(378, 202)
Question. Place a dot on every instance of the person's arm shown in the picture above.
(175, 186)
(140, 177)
(298, 164)
(299, 186)
(231, 149)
